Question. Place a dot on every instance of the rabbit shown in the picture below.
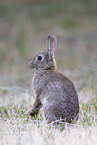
(54, 93)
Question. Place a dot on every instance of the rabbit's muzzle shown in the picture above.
(31, 66)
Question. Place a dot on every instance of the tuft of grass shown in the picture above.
(88, 112)
(8, 111)
(94, 103)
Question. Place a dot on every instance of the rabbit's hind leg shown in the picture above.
(48, 115)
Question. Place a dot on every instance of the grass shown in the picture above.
(24, 27)
(18, 128)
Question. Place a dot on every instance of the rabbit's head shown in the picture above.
(46, 60)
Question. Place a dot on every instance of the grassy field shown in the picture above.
(24, 26)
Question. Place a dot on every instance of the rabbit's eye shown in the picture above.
(39, 57)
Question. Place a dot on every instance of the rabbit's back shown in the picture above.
(57, 94)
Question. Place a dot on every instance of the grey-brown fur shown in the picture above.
(54, 92)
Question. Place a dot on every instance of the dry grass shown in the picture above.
(17, 128)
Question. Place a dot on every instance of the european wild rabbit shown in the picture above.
(54, 92)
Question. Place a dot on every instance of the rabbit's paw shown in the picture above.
(31, 113)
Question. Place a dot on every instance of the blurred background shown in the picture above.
(24, 27)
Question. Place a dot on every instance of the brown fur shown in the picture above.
(54, 92)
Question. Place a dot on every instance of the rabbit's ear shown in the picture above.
(51, 42)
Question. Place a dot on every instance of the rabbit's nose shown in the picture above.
(30, 64)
